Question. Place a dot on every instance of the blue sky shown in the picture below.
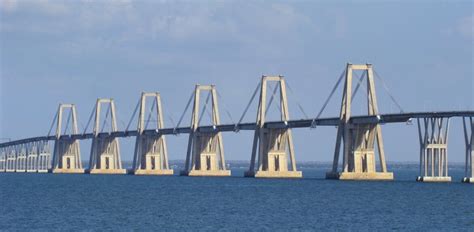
(77, 51)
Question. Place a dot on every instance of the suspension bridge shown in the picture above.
(272, 155)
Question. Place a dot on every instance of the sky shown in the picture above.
(55, 52)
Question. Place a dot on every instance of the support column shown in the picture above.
(468, 124)
(205, 154)
(358, 140)
(11, 159)
(151, 153)
(21, 158)
(3, 159)
(67, 154)
(32, 158)
(433, 134)
(273, 146)
(44, 157)
(105, 151)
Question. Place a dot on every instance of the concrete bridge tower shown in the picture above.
(468, 125)
(151, 153)
(205, 155)
(359, 139)
(273, 146)
(105, 151)
(67, 154)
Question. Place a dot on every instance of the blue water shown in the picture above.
(174, 203)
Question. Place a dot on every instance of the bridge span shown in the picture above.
(299, 123)
(272, 152)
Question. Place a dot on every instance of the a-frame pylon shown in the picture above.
(105, 151)
(273, 146)
(359, 139)
(67, 154)
(205, 155)
(151, 153)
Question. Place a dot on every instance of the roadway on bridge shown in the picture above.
(300, 123)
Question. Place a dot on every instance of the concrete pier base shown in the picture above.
(274, 174)
(69, 171)
(360, 175)
(43, 171)
(31, 171)
(108, 171)
(205, 173)
(468, 180)
(164, 172)
(433, 179)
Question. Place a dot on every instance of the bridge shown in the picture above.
(272, 155)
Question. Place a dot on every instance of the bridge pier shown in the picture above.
(11, 159)
(273, 146)
(67, 154)
(44, 157)
(151, 153)
(205, 154)
(32, 158)
(468, 125)
(3, 159)
(105, 151)
(433, 135)
(358, 140)
(21, 158)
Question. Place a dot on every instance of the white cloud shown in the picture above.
(53, 7)
(8, 5)
(465, 27)
(49, 7)
(151, 20)
(90, 27)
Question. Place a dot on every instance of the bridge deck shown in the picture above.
(301, 123)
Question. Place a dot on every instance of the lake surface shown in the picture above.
(174, 203)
